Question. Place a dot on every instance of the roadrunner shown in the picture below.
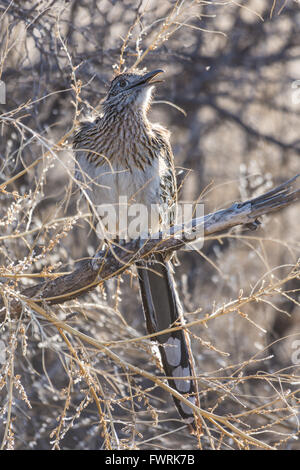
(122, 156)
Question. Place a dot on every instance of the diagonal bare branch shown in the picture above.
(114, 261)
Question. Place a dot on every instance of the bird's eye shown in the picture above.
(122, 83)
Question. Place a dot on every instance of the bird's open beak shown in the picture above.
(147, 79)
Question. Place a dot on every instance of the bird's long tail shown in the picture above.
(163, 310)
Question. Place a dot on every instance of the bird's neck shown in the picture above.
(130, 119)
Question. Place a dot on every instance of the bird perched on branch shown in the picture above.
(124, 161)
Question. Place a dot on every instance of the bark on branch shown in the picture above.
(116, 259)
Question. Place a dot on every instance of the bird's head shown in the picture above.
(131, 89)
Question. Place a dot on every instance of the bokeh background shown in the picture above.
(231, 100)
